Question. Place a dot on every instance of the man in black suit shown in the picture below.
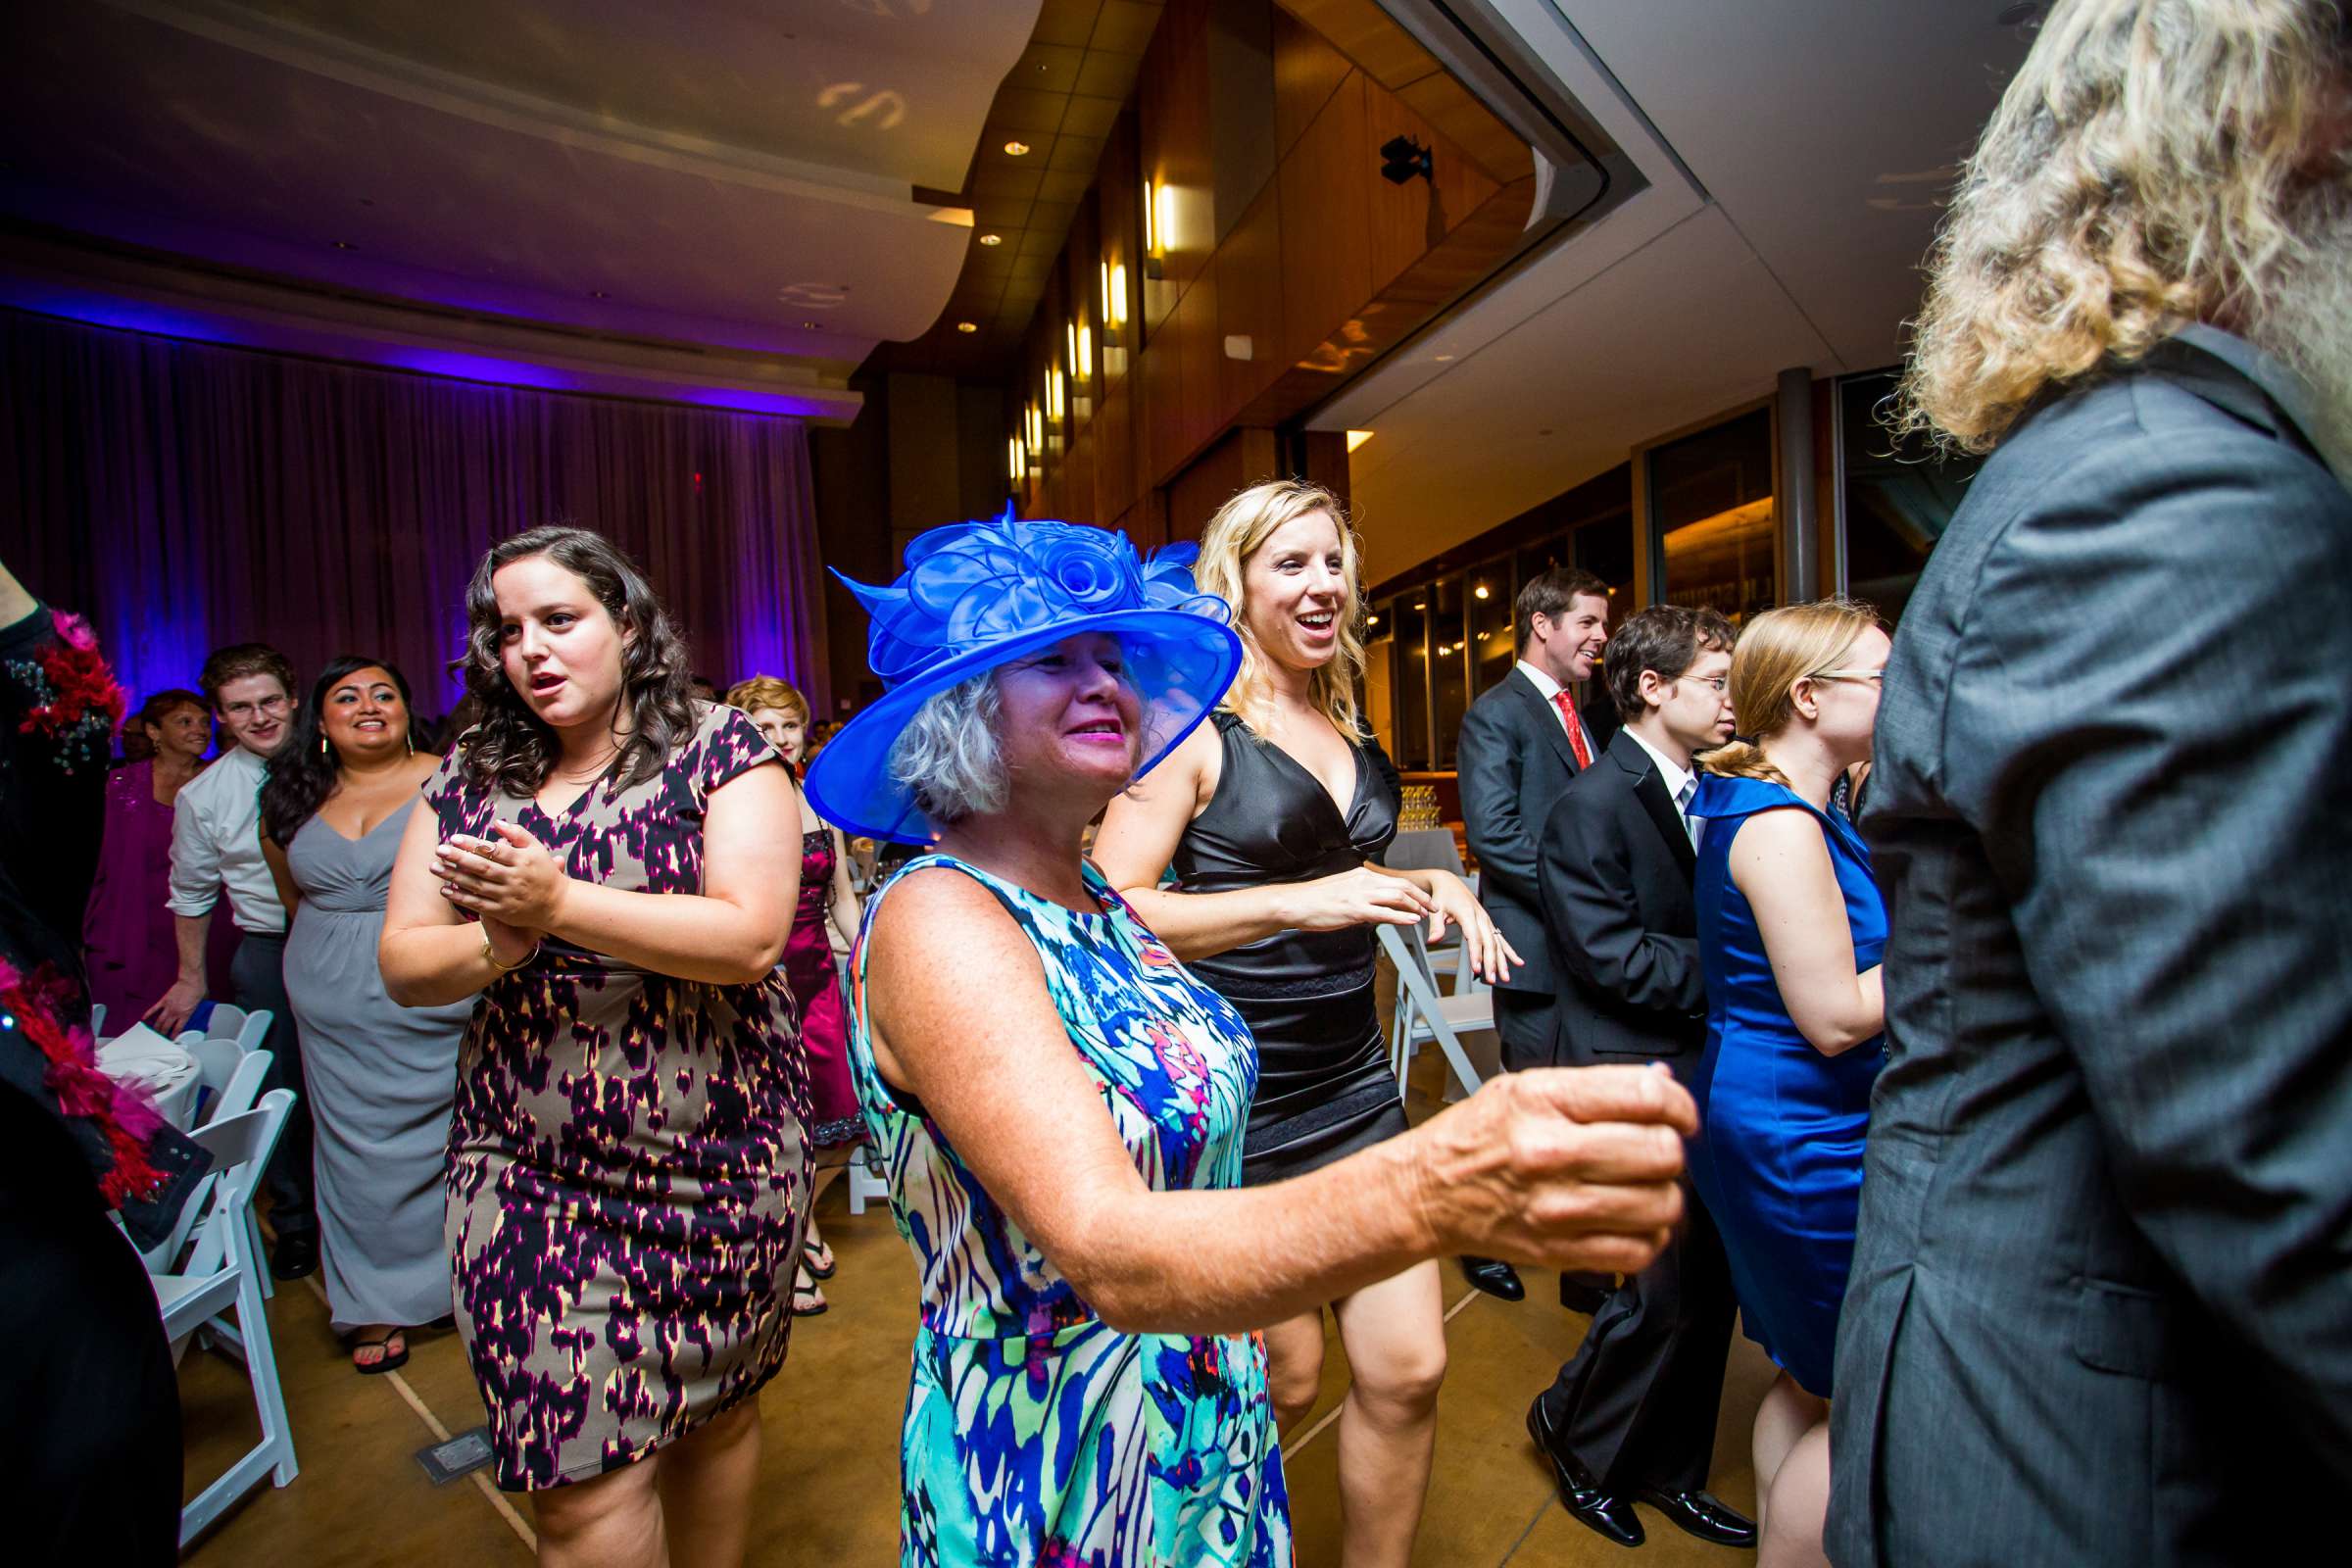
(1633, 1414)
(2100, 1310)
(1521, 743)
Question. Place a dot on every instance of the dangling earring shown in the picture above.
(322, 750)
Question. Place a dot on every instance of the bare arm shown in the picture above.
(731, 933)
(283, 875)
(1567, 1168)
(429, 952)
(1781, 863)
(1139, 837)
(847, 913)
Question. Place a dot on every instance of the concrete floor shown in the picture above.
(829, 1475)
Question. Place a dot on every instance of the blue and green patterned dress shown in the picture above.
(1036, 1435)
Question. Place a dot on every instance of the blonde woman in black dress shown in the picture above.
(1270, 819)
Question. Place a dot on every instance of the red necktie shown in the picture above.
(1576, 729)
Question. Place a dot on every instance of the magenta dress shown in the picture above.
(834, 1122)
(125, 930)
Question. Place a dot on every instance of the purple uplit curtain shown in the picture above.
(184, 496)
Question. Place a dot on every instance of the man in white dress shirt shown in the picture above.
(216, 840)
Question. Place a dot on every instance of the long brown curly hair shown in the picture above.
(512, 748)
(2144, 171)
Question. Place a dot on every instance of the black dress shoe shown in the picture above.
(1579, 1292)
(1701, 1514)
(1602, 1512)
(1494, 1278)
(294, 1256)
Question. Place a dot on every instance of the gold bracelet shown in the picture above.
(506, 968)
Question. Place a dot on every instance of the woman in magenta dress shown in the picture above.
(125, 930)
(828, 907)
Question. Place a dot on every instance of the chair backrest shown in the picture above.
(239, 1145)
(254, 1029)
(217, 1060)
(244, 1087)
(98, 1020)
(225, 1021)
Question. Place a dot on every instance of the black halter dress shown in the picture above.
(1324, 1089)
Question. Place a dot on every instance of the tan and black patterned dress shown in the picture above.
(628, 1177)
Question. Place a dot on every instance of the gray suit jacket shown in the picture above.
(2101, 1301)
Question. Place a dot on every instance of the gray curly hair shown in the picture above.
(948, 757)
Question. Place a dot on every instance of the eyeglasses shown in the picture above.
(267, 704)
(1721, 683)
(1850, 674)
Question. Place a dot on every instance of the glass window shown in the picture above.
(1412, 680)
(1490, 652)
(1711, 496)
(1606, 549)
(1899, 496)
(1380, 676)
(1449, 664)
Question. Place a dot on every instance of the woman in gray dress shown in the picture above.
(380, 1076)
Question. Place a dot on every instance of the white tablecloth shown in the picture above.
(139, 1055)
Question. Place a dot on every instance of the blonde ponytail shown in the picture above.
(1777, 649)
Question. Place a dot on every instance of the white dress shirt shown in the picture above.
(1681, 783)
(216, 838)
(1550, 690)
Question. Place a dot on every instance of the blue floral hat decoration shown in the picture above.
(977, 595)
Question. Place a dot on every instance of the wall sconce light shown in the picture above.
(1035, 419)
(1053, 392)
(1114, 295)
(1017, 460)
(1159, 210)
(1086, 351)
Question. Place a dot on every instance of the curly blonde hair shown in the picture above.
(1243, 524)
(2144, 171)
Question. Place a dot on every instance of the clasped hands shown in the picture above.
(1575, 1168)
(508, 880)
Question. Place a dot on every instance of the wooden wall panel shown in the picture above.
(1326, 275)
(1113, 430)
(1078, 482)
(1366, 34)
(1199, 356)
(1175, 139)
(1119, 214)
(1410, 219)
(1249, 280)
(1307, 71)
(1240, 458)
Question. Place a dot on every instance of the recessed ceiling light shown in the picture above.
(992, 239)
(345, 245)
(598, 294)
(1445, 359)
(809, 326)
(1016, 149)
(968, 326)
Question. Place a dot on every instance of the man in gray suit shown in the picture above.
(2101, 1301)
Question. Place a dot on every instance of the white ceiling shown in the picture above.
(1818, 136)
(729, 175)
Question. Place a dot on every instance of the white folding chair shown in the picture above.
(98, 1022)
(223, 1274)
(235, 1096)
(216, 1062)
(1443, 1020)
(231, 1022)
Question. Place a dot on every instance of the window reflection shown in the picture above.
(1899, 496)
(1448, 663)
(1712, 496)
(1412, 681)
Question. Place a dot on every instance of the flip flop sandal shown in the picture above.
(391, 1359)
(808, 1256)
(813, 1294)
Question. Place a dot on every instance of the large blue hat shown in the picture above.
(976, 595)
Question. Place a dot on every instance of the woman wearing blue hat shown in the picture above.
(1061, 1104)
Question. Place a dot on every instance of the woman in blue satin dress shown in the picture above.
(1791, 926)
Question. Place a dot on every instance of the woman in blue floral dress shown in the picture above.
(1061, 1104)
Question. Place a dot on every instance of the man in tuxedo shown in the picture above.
(1633, 1414)
(1521, 743)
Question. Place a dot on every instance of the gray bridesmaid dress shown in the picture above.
(381, 1078)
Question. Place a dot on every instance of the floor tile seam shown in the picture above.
(1541, 1508)
(441, 1434)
